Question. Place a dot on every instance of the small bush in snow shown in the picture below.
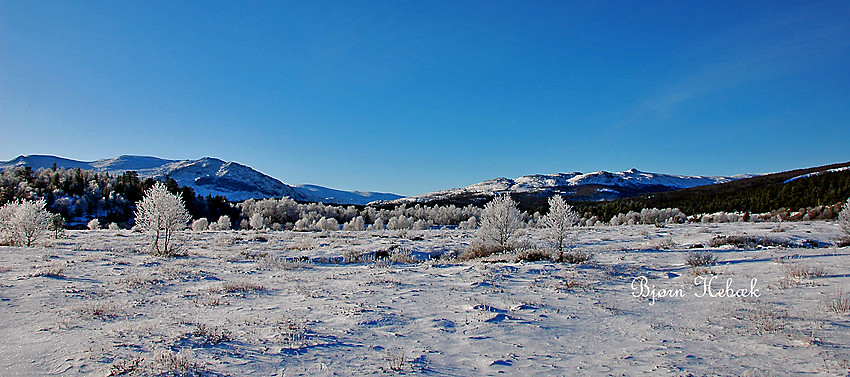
(701, 259)
(576, 257)
(200, 224)
(113, 226)
(94, 224)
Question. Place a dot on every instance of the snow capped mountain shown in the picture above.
(207, 176)
(601, 185)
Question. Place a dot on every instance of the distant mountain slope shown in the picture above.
(792, 190)
(594, 186)
(327, 195)
(207, 176)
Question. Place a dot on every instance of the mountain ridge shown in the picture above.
(207, 176)
(594, 186)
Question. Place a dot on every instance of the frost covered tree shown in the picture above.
(844, 218)
(23, 222)
(162, 214)
(257, 221)
(558, 223)
(500, 222)
(420, 225)
(200, 224)
(356, 224)
(223, 223)
(327, 224)
(377, 225)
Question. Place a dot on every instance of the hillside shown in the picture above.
(576, 186)
(795, 189)
(206, 176)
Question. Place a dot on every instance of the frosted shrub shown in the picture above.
(200, 224)
(468, 224)
(114, 226)
(23, 222)
(223, 223)
(500, 222)
(325, 224)
(256, 221)
(377, 225)
(161, 213)
(356, 224)
(844, 218)
(558, 224)
(94, 224)
(398, 222)
(302, 225)
(420, 225)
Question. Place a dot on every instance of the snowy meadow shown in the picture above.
(340, 303)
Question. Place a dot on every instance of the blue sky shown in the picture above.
(411, 97)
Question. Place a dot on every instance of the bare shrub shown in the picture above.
(212, 335)
(576, 257)
(53, 270)
(803, 271)
(226, 239)
(478, 249)
(126, 367)
(396, 360)
(701, 259)
(271, 262)
(241, 287)
(533, 255)
(665, 244)
(403, 256)
(747, 242)
(304, 244)
(181, 363)
(840, 304)
(101, 311)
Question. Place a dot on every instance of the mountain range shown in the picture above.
(236, 182)
(576, 186)
(207, 176)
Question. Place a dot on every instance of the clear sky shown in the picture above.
(416, 96)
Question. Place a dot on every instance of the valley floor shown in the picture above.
(239, 303)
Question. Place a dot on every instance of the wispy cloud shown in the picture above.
(757, 52)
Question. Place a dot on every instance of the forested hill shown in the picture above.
(791, 190)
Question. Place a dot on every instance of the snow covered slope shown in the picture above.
(313, 193)
(207, 176)
(601, 185)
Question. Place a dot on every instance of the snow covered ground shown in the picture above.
(239, 304)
